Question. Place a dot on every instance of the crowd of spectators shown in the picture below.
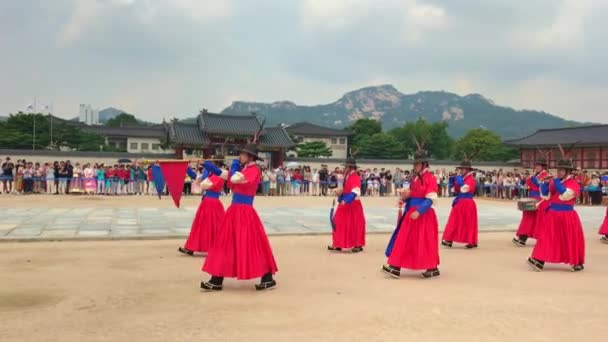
(63, 177)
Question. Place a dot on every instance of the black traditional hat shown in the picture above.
(465, 164)
(566, 162)
(420, 154)
(219, 159)
(351, 161)
(543, 159)
(252, 150)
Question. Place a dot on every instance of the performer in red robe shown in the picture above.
(349, 219)
(462, 222)
(241, 249)
(604, 229)
(562, 239)
(415, 243)
(210, 213)
(531, 220)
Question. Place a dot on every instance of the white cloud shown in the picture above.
(333, 14)
(422, 18)
(86, 14)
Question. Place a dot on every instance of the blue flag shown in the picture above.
(159, 180)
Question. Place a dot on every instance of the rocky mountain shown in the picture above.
(393, 109)
(108, 113)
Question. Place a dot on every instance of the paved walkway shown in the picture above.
(100, 223)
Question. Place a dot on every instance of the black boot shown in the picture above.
(520, 241)
(578, 268)
(392, 271)
(430, 273)
(536, 264)
(266, 283)
(185, 251)
(446, 243)
(357, 249)
(470, 245)
(332, 248)
(214, 284)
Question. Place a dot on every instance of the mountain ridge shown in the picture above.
(393, 108)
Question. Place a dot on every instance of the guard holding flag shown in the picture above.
(210, 213)
(349, 220)
(241, 249)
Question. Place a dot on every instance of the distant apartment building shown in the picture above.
(336, 139)
(88, 115)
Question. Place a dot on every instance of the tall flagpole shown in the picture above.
(52, 125)
(34, 128)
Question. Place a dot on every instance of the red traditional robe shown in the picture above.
(416, 244)
(530, 219)
(209, 216)
(349, 218)
(562, 239)
(604, 227)
(241, 249)
(462, 222)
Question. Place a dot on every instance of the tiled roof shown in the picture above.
(191, 134)
(275, 137)
(127, 131)
(308, 129)
(229, 124)
(187, 134)
(584, 135)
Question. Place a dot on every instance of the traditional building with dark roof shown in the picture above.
(133, 138)
(589, 151)
(220, 133)
(336, 139)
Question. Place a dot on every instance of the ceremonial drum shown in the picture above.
(605, 200)
(527, 204)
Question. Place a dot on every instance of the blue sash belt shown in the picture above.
(212, 194)
(415, 201)
(461, 196)
(534, 194)
(242, 199)
(561, 207)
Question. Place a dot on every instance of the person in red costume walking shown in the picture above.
(604, 229)
(562, 239)
(241, 249)
(415, 243)
(349, 219)
(462, 222)
(531, 221)
(210, 213)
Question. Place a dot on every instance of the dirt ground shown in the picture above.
(146, 291)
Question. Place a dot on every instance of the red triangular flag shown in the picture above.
(175, 176)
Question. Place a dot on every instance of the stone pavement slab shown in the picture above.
(59, 223)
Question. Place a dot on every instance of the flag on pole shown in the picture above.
(159, 180)
(30, 108)
(174, 173)
(46, 109)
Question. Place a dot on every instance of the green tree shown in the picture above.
(18, 130)
(380, 146)
(313, 149)
(364, 128)
(122, 119)
(437, 141)
(484, 145)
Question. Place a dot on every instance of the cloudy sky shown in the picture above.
(164, 58)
